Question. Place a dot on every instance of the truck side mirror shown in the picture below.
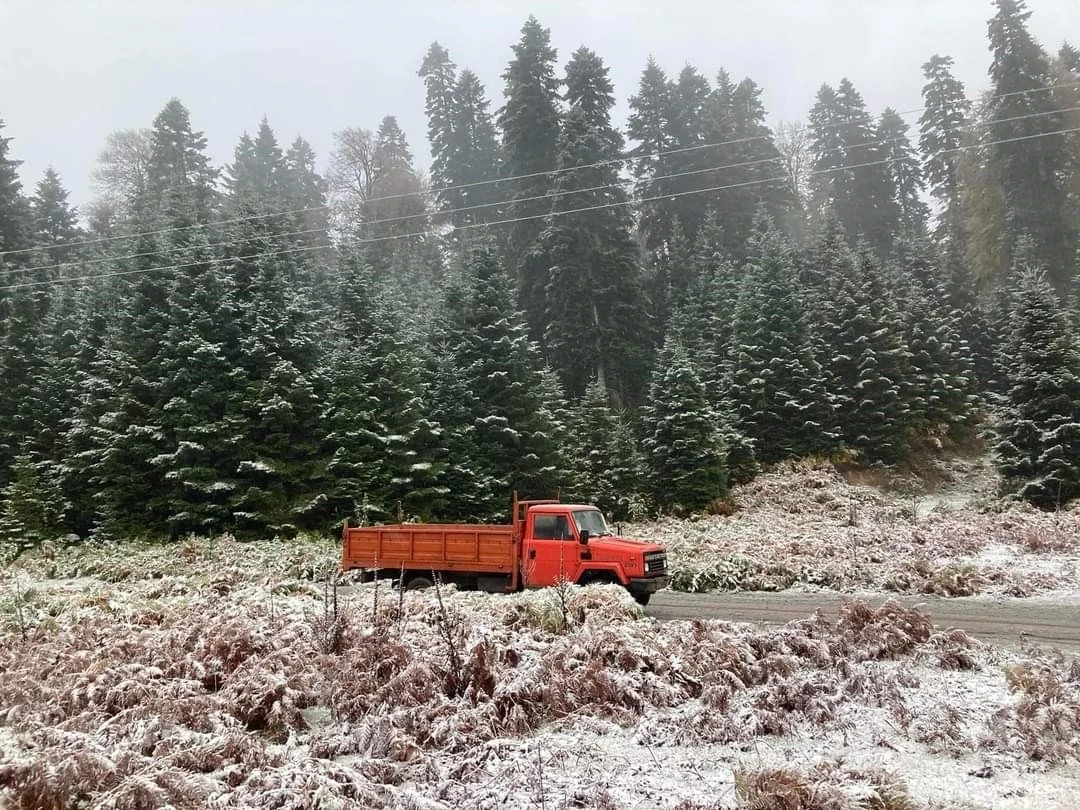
(584, 537)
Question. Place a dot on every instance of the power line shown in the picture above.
(513, 178)
(549, 196)
(600, 206)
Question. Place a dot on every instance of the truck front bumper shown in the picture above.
(648, 585)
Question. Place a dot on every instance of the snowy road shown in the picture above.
(1005, 622)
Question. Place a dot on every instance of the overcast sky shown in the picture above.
(71, 71)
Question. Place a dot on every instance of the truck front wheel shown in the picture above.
(642, 598)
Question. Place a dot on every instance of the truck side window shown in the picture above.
(544, 527)
(562, 528)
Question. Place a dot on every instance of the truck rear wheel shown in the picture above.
(418, 584)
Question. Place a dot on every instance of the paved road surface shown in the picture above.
(1006, 622)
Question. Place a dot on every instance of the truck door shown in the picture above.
(552, 552)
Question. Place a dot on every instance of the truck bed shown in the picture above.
(425, 546)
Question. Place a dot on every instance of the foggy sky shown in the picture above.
(73, 71)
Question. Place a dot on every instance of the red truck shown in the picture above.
(547, 542)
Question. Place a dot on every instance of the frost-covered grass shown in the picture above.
(805, 526)
(213, 673)
(192, 682)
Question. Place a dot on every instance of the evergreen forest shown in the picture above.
(639, 317)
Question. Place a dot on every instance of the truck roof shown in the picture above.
(560, 507)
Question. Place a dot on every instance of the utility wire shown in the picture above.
(600, 206)
(556, 171)
(549, 196)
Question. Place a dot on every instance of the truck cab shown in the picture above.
(572, 543)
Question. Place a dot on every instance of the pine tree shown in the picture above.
(383, 449)
(1027, 146)
(649, 123)
(464, 145)
(180, 183)
(684, 453)
(256, 178)
(908, 211)
(29, 508)
(202, 386)
(864, 358)
(54, 221)
(304, 192)
(476, 156)
(394, 211)
(529, 121)
(850, 176)
(440, 77)
(777, 387)
(941, 382)
(501, 369)
(608, 464)
(946, 110)
(278, 473)
(596, 323)
(1038, 434)
(752, 179)
(14, 213)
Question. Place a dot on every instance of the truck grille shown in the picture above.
(655, 563)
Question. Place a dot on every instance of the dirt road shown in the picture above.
(1008, 622)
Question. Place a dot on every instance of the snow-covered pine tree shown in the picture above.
(685, 457)
(1038, 431)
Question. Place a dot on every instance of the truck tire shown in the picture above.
(418, 583)
(642, 598)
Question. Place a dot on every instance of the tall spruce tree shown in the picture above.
(649, 123)
(1026, 144)
(529, 121)
(904, 176)
(14, 211)
(180, 183)
(494, 359)
(596, 321)
(608, 464)
(54, 222)
(776, 386)
(864, 357)
(464, 145)
(851, 179)
(1038, 433)
(685, 457)
(946, 110)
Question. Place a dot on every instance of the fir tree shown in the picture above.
(777, 388)
(850, 177)
(684, 453)
(14, 211)
(941, 135)
(1027, 145)
(54, 221)
(529, 121)
(608, 464)
(865, 359)
(904, 171)
(649, 123)
(1038, 434)
(596, 319)
(383, 449)
(180, 182)
(511, 429)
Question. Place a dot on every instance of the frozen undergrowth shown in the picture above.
(804, 526)
(198, 690)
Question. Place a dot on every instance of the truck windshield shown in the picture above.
(592, 521)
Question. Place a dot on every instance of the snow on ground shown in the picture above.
(804, 527)
(218, 674)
